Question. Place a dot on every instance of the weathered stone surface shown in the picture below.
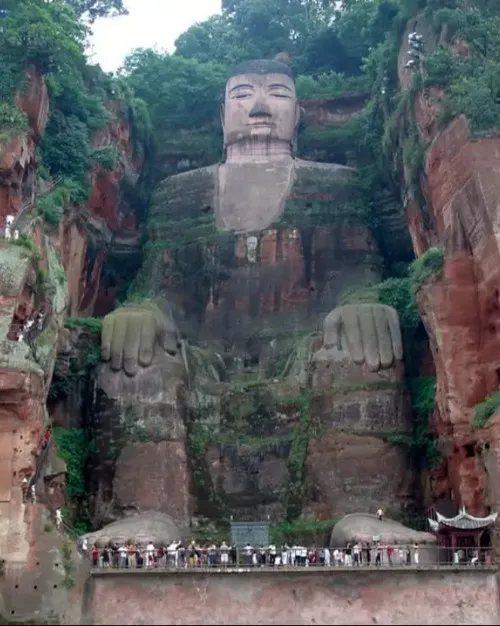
(154, 477)
(34, 101)
(139, 528)
(318, 598)
(363, 527)
(252, 479)
(35, 587)
(149, 407)
(346, 473)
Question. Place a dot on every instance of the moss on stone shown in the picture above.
(14, 263)
(298, 454)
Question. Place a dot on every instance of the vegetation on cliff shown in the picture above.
(84, 100)
(485, 409)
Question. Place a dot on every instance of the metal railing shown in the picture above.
(125, 557)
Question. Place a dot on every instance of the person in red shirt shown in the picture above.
(46, 439)
(95, 556)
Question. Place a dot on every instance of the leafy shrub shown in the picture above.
(108, 157)
(92, 324)
(51, 205)
(427, 265)
(329, 85)
(73, 447)
(439, 67)
(485, 409)
(12, 119)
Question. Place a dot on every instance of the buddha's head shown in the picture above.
(260, 106)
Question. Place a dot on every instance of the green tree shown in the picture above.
(46, 35)
(179, 92)
(98, 8)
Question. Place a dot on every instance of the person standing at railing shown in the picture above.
(150, 551)
(212, 555)
(368, 553)
(285, 551)
(327, 557)
(172, 554)
(390, 553)
(272, 554)
(357, 553)
(105, 557)
(415, 554)
(95, 556)
(348, 555)
(123, 556)
(132, 562)
(224, 554)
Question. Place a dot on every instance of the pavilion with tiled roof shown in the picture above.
(462, 530)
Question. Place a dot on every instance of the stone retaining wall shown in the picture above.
(424, 596)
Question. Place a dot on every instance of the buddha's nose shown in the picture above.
(260, 109)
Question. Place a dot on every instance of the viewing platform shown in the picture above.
(272, 571)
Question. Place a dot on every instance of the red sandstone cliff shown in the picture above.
(29, 281)
(460, 306)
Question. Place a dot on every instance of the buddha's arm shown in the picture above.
(178, 214)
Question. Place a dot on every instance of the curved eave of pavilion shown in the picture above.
(462, 521)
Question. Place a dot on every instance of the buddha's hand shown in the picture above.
(130, 334)
(370, 333)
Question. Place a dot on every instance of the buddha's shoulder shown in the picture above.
(196, 179)
(187, 190)
(305, 168)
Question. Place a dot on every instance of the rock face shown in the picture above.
(362, 527)
(460, 305)
(42, 274)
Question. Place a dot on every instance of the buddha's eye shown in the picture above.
(280, 94)
(241, 95)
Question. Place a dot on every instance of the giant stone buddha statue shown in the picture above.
(241, 253)
(300, 237)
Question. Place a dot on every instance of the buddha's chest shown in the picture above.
(252, 197)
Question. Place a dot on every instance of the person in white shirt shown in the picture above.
(415, 554)
(272, 554)
(59, 518)
(150, 551)
(327, 557)
(338, 557)
(85, 545)
(122, 550)
(224, 554)
(380, 513)
(357, 553)
(172, 554)
(284, 555)
(248, 554)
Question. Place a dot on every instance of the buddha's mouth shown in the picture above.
(260, 123)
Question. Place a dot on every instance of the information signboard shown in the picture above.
(255, 534)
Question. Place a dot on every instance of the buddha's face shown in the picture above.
(260, 106)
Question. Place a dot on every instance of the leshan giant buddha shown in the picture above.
(241, 253)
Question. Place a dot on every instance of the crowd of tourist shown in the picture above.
(191, 554)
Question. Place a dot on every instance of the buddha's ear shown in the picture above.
(298, 113)
(222, 111)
